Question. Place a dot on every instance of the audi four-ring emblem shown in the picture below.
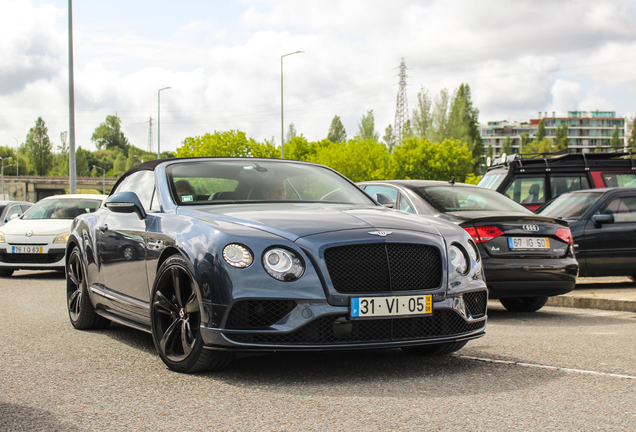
(531, 227)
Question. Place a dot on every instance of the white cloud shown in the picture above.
(518, 58)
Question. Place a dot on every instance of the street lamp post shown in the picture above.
(103, 179)
(159, 121)
(282, 123)
(2, 159)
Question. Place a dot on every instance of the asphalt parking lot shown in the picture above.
(558, 369)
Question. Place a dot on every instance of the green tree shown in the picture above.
(598, 148)
(539, 146)
(108, 135)
(463, 123)
(632, 137)
(525, 139)
(389, 137)
(540, 132)
(229, 143)
(407, 130)
(438, 128)
(291, 133)
(357, 159)
(615, 141)
(301, 149)
(491, 152)
(366, 128)
(422, 114)
(337, 132)
(38, 148)
(506, 147)
(418, 158)
(120, 165)
(561, 141)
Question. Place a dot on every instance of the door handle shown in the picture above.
(103, 228)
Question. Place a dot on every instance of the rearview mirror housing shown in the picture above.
(125, 202)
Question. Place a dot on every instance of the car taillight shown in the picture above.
(565, 234)
(483, 234)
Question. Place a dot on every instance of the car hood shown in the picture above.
(293, 221)
(19, 227)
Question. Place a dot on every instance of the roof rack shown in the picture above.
(563, 155)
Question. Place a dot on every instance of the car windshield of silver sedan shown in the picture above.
(450, 199)
(222, 182)
(62, 208)
(571, 206)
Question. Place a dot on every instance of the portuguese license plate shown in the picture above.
(26, 249)
(396, 306)
(528, 243)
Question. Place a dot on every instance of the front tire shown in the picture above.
(176, 318)
(524, 304)
(435, 349)
(80, 307)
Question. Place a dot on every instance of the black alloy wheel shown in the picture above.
(435, 349)
(80, 308)
(176, 317)
(524, 304)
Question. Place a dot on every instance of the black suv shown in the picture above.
(533, 180)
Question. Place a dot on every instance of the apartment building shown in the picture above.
(587, 130)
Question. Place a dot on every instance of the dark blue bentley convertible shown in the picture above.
(218, 256)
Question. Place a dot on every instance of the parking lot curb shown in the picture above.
(592, 303)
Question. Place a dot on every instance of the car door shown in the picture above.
(609, 249)
(121, 245)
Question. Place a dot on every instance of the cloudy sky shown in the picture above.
(222, 61)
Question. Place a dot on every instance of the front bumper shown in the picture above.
(51, 258)
(511, 277)
(320, 326)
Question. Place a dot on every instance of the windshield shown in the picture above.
(570, 206)
(451, 199)
(492, 180)
(221, 182)
(64, 208)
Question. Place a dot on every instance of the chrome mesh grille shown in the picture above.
(254, 314)
(476, 303)
(384, 267)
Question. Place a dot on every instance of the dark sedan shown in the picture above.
(241, 255)
(527, 257)
(603, 224)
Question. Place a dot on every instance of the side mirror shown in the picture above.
(384, 199)
(601, 219)
(125, 202)
(13, 216)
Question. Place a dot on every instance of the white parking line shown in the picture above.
(539, 366)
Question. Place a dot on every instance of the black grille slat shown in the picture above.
(49, 258)
(320, 331)
(254, 314)
(384, 267)
(476, 303)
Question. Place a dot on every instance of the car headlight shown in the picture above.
(283, 264)
(1, 237)
(62, 238)
(237, 255)
(472, 251)
(458, 259)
